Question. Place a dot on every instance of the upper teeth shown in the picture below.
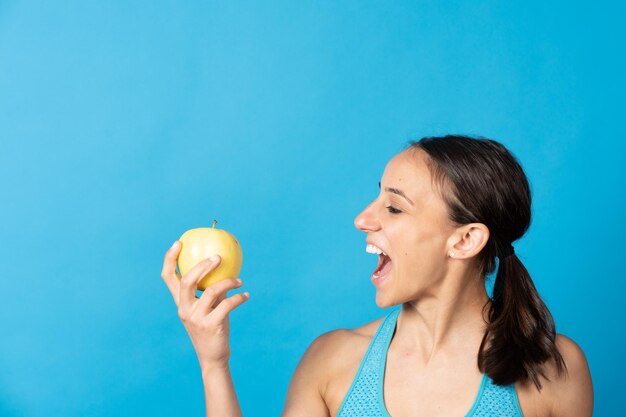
(374, 249)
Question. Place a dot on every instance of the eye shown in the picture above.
(393, 210)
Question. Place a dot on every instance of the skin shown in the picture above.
(431, 366)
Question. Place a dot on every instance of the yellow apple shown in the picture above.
(204, 242)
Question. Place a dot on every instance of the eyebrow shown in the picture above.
(396, 191)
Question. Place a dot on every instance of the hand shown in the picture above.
(205, 318)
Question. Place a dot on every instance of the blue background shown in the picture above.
(123, 124)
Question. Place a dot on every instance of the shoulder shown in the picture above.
(331, 346)
(305, 394)
(342, 338)
(331, 351)
(571, 392)
(326, 357)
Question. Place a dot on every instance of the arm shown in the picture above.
(219, 393)
(572, 394)
(307, 386)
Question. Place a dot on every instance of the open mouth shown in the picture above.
(383, 268)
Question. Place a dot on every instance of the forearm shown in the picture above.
(219, 393)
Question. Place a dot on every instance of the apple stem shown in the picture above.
(214, 221)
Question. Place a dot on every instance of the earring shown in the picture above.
(451, 254)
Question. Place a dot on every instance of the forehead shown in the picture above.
(409, 172)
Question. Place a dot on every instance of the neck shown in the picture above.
(447, 322)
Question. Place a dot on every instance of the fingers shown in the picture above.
(189, 282)
(168, 273)
(214, 294)
(228, 305)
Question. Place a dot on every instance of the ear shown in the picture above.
(468, 240)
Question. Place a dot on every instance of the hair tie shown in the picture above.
(507, 251)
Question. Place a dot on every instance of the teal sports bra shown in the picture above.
(365, 396)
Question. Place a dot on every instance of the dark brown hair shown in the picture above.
(482, 182)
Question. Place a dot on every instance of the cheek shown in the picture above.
(417, 271)
(422, 253)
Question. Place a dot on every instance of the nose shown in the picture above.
(367, 220)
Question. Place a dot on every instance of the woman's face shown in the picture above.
(409, 222)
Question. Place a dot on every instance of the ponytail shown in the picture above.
(522, 330)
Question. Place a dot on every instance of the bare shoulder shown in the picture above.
(331, 349)
(305, 392)
(321, 362)
(339, 339)
(571, 393)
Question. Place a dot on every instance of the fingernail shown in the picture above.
(238, 281)
(246, 294)
(215, 258)
(174, 245)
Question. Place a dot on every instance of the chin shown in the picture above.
(382, 303)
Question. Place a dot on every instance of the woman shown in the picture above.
(448, 207)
